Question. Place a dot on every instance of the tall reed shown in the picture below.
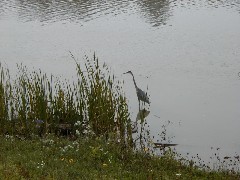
(5, 98)
(105, 106)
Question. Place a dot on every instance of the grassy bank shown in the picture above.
(60, 158)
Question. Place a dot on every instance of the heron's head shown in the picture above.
(130, 72)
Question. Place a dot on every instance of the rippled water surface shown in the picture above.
(186, 53)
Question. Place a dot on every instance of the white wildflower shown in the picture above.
(77, 132)
(75, 143)
(78, 123)
(7, 136)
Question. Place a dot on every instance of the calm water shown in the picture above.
(186, 53)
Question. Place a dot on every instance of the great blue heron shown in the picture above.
(142, 96)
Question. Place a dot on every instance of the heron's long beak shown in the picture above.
(127, 72)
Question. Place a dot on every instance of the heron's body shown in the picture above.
(142, 96)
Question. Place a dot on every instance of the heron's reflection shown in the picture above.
(141, 115)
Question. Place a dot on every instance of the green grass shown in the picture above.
(60, 158)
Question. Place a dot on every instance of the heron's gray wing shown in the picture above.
(142, 96)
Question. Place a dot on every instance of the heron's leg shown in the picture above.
(140, 138)
(139, 105)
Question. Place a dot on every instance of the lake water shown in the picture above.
(185, 52)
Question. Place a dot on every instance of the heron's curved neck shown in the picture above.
(134, 81)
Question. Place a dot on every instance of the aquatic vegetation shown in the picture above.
(105, 107)
(35, 103)
(5, 99)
